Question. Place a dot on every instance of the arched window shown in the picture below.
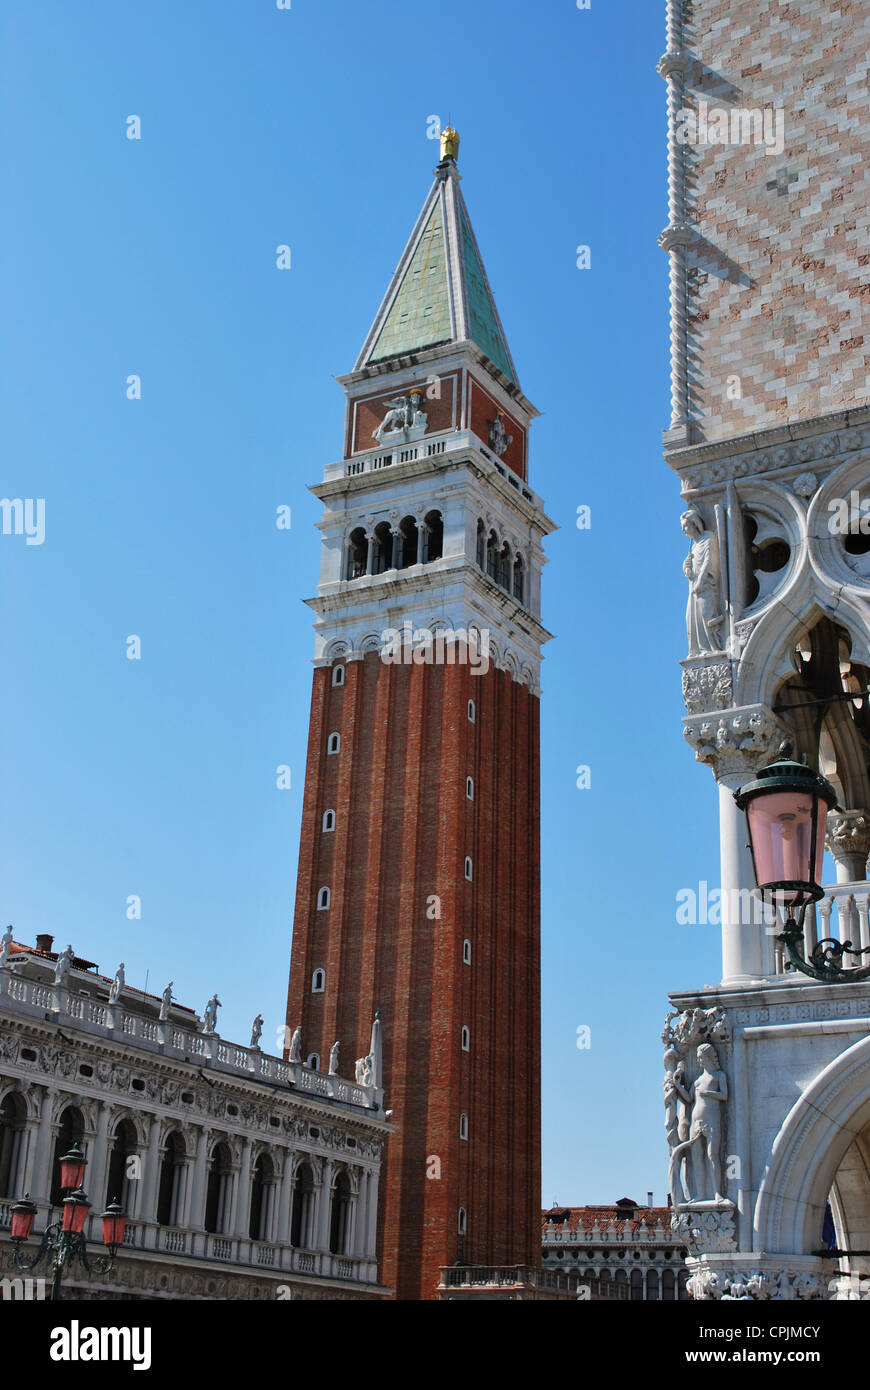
(503, 568)
(492, 555)
(463, 1126)
(302, 1210)
(339, 1215)
(469, 788)
(318, 981)
(462, 1226)
(170, 1186)
(329, 820)
(469, 870)
(481, 545)
(433, 539)
(72, 1129)
(466, 952)
(121, 1183)
(218, 1189)
(333, 743)
(322, 899)
(313, 1063)
(338, 675)
(466, 1039)
(472, 712)
(383, 548)
(406, 543)
(13, 1117)
(357, 554)
(262, 1185)
(519, 580)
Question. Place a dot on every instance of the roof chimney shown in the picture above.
(44, 942)
(649, 1198)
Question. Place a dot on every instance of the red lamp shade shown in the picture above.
(75, 1209)
(786, 812)
(114, 1224)
(23, 1214)
(72, 1169)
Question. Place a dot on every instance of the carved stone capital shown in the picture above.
(705, 1232)
(707, 684)
(757, 1278)
(848, 840)
(736, 742)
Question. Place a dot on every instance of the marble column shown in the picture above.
(742, 941)
(239, 1226)
(285, 1200)
(196, 1213)
(324, 1204)
(147, 1204)
(40, 1177)
(95, 1176)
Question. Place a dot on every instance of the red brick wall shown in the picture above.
(366, 413)
(403, 829)
(483, 409)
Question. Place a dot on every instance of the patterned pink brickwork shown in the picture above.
(779, 290)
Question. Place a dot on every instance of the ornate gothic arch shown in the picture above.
(808, 1150)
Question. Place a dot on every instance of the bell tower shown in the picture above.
(418, 888)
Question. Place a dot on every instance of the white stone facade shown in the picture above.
(633, 1250)
(244, 1175)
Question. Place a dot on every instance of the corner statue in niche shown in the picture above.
(403, 421)
(701, 568)
(704, 1142)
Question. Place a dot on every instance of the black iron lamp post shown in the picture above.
(64, 1240)
(786, 812)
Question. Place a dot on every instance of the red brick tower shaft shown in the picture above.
(418, 888)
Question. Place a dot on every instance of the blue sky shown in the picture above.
(156, 777)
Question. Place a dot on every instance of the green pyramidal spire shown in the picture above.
(440, 292)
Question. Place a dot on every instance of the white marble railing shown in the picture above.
(210, 1049)
(372, 460)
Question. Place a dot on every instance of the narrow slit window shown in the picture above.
(333, 743)
(338, 675)
(322, 899)
(466, 1039)
(469, 869)
(318, 981)
(329, 820)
